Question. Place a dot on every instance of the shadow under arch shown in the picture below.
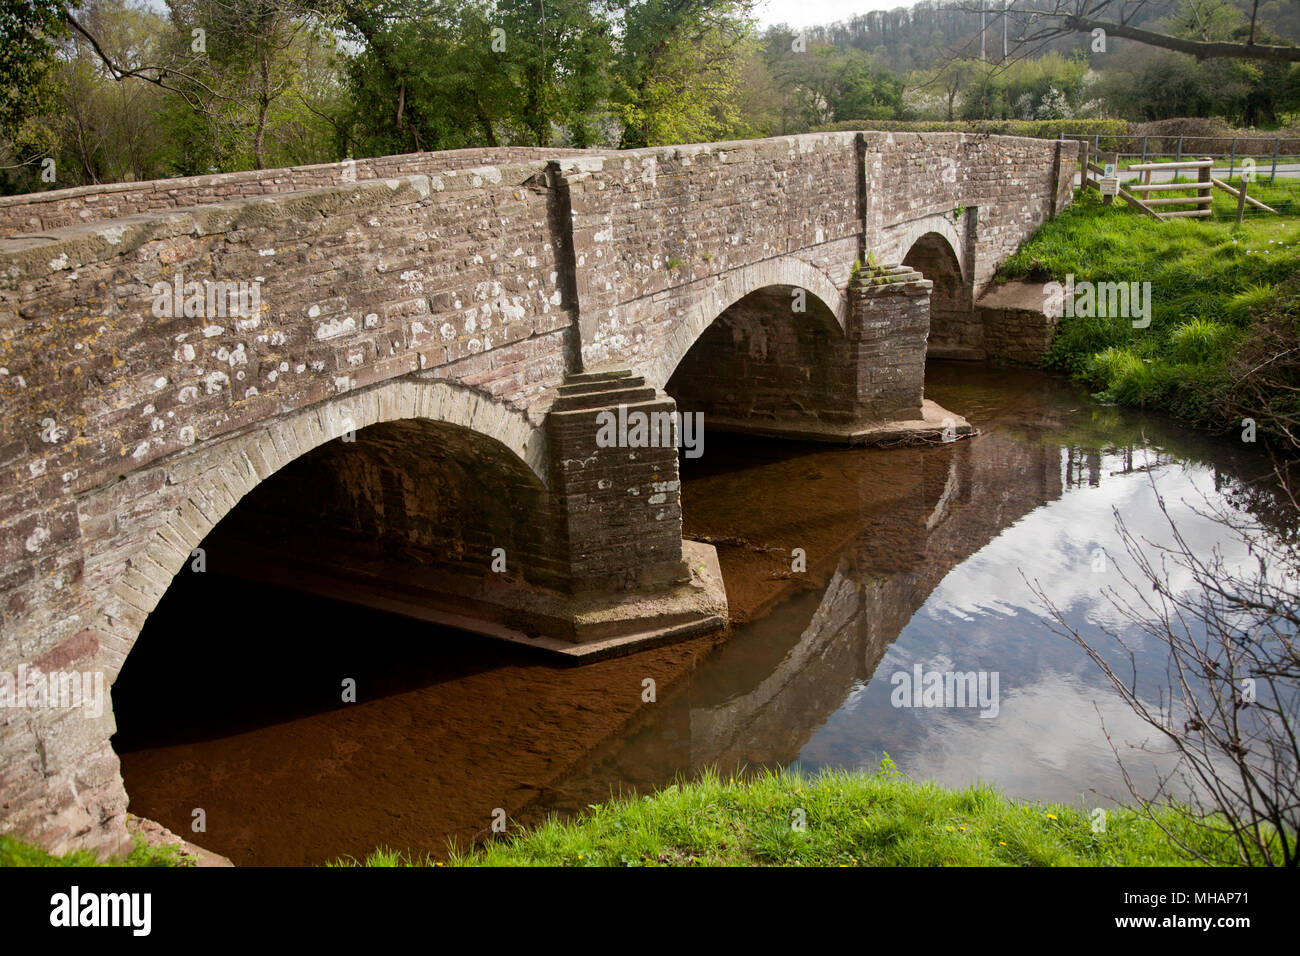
(773, 355)
(213, 479)
(763, 362)
(728, 289)
(414, 452)
(952, 325)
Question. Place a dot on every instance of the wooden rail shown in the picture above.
(1235, 194)
(1137, 194)
(1153, 187)
(1249, 147)
(1184, 164)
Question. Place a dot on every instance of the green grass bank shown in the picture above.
(1216, 289)
(16, 853)
(836, 819)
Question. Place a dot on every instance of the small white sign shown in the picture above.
(1109, 186)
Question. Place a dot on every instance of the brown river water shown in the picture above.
(916, 557)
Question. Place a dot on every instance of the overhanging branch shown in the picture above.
(1201, 49)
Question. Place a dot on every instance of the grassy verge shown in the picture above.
(15, 853)
(1209, 280)
(850, 819)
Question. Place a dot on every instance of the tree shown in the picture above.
(30, 34)
(1139, 85)
(107, 130)
(954, 78)
(761, 101)
(559, 55)
(246, 61)
(679, 67)
(822, 82)
(433, 75)
(1144, 87)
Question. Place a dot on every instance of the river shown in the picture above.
(917, 560)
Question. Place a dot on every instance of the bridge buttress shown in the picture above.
(620, 504)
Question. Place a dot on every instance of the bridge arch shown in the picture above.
(934, 253)
(910, 233)
(214, 480)
(735, 285)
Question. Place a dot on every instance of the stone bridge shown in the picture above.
(421, 349)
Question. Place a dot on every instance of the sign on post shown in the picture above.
(1109, 185)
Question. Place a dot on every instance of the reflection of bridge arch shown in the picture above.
(758, 699)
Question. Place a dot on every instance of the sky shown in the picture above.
(806, 13)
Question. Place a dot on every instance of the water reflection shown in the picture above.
(942, 579)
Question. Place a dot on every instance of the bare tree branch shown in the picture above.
(1068, 17)
(156, 75)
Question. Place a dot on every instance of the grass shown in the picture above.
(850, 819)
(1208, 279)
(837, 818)
(16, 853)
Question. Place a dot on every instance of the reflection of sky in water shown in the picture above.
(1046, 742)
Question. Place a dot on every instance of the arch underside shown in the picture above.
(211, 481)
(953, 325)
(762, 361)
(786, 272)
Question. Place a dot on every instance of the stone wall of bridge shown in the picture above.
(354, 285)
(1009, 185)
(60, 208)
(656, 230)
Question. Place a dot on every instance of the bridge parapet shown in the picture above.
(59, 208)
(117, 351)
(1013, 184)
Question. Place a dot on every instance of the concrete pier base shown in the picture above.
(936, 424)
(503, 607)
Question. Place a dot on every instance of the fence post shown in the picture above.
(1232, 160)
(1179, 158)
(1144, 149)
(1277, 141)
